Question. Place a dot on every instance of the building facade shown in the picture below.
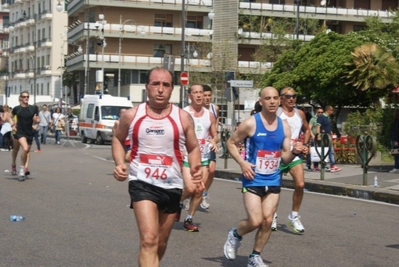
(110, 45)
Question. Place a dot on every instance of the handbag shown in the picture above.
(395, 151)
(314, 157)
(61, 124)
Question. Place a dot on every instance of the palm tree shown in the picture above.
(373, 70)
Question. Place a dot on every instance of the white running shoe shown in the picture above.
(187, 204)
(21, 174)
(231, 246)
(394, 170)
(205, 202)
(296, 224)
(256, 261)
(274, 222)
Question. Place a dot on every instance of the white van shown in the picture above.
(98, 114)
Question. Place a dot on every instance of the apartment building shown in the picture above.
(122, 40)
(36, 47)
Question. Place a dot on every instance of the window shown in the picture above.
(280, 2)
(389, 4)
(363, 4)
(194, 22)
(357, 28)
(48, 89)
(90, 109)
(160, 50)
(43, 34)
(6, 20)
(48, 60)
(163, 20)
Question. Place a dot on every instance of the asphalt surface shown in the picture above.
(78, 215)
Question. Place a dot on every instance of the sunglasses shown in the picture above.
(25, 96)
(290, 96)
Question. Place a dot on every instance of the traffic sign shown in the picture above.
(184, 78)
(241, 83)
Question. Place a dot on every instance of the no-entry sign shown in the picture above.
(184, 78)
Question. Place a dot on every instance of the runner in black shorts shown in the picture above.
(167, 200)
(26, 115)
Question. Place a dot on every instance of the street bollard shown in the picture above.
(365, 149)
(325, 143)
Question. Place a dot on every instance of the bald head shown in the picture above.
(268, 91)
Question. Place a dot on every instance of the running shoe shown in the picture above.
(190, 226)
(205, 202)
(296, 224)
(21, 174)
(178, 213)
(37, 150)
(274, 222)
(256, 261)
(232, 244)
(27, 172)
(187, 204)
(394, 170)
(13, 170)
(335, 169)
(327, 169)
(316, 169)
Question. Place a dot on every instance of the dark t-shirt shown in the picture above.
(25, 119)
(325, 124)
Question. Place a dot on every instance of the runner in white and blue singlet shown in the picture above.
(267, 142)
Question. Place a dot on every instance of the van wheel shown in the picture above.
(99, 139)
(84, 138)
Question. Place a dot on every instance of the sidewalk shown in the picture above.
(348, 182)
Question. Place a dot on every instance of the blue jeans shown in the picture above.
(43, 134)
(36, 136)
(57, 135)
(331, 155)
(395, 157)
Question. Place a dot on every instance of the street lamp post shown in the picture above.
(297, 18)
(183, 46)
(103, 45)
(121, 31)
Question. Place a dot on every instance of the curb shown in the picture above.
(319, 186)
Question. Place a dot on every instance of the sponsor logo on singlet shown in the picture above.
(155, 130)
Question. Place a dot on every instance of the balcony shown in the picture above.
(45, 42)
(45, 14)
(135, 31)
(113, 61)
(322, 13)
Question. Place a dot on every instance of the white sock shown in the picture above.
(294, 214)
(188, 217)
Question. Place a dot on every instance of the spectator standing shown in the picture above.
(313, 132)
(6, 128)
(324, 125)
(58, 124)
(395, 140)
(45, 122)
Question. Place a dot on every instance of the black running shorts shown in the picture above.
(167, 200)
(262, 190)
(29, 139)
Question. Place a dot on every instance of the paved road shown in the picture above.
(78, 215)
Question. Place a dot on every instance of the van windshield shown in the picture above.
(111, 112)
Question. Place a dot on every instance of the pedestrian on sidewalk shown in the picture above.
(45, 122)
(324, 125)
(6, 143)
(395, 140)
(58, 124)
(267, 141)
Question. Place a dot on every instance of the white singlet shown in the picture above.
(202, 126)
(157, 145)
